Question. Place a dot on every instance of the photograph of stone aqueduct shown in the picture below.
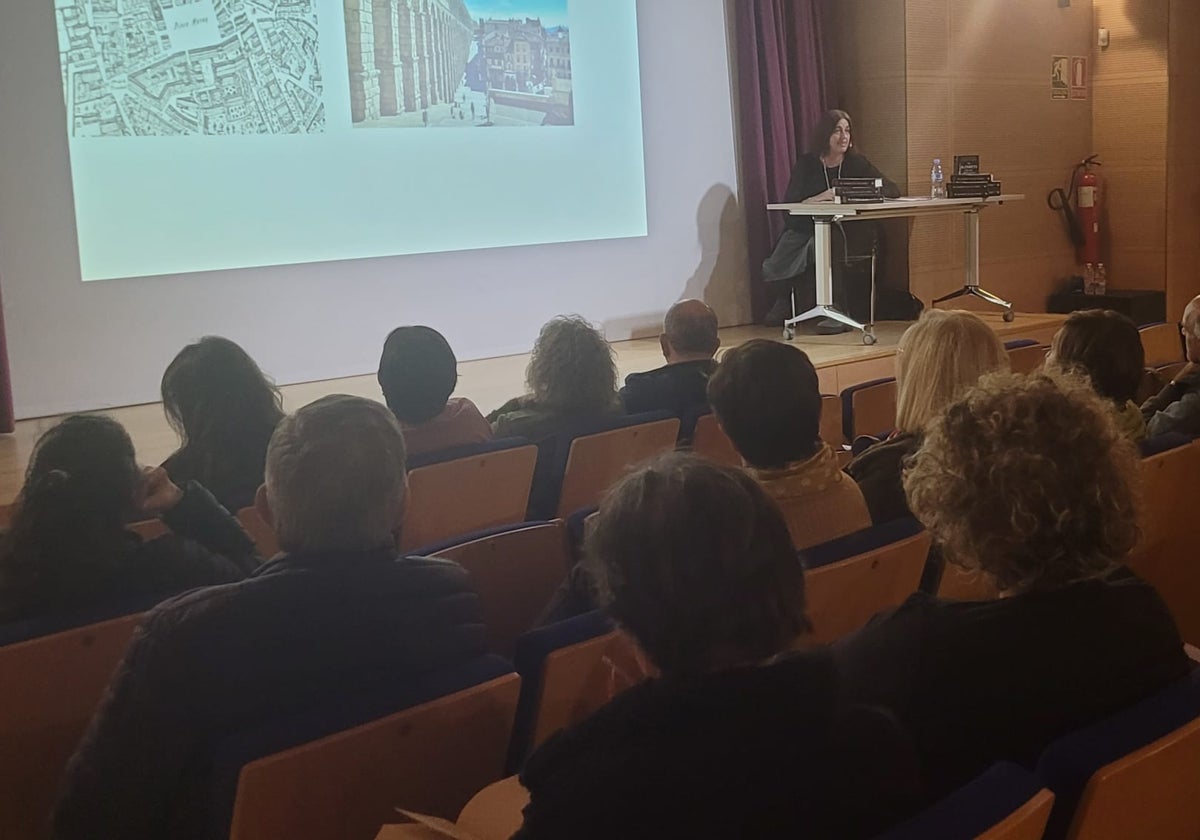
(405, 55)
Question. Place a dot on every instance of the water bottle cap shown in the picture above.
(937, 160)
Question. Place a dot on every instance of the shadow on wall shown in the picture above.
(721, 279)
(1149, 19)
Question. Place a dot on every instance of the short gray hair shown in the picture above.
(335, 476)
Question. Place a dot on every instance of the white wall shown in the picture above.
(76, 346)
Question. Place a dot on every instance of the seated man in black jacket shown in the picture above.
(689, 341)
(337, 614)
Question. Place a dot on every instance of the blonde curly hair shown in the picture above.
(1027, 479)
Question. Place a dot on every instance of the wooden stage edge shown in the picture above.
(841, 361)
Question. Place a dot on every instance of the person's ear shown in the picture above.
(262, 506)
(665, 345)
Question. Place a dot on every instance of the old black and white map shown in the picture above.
(175, 67)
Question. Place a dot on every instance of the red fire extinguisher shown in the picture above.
(1080, 207)
(1088, 213)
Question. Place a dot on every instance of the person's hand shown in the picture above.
(823, 196)
(159, 494)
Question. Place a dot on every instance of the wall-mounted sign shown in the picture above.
(1060, 77)
(1079, 77)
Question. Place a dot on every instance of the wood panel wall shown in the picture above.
(1183, 156)
(1129, 127)
(979, 83)
(976, 80)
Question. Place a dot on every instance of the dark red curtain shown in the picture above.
(7, 421)
(783, 88)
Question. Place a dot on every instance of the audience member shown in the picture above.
(571, 378)
(689, 341)
(68, 550)
(938, 357)
(742, 735)
(224, 410)
(1176, 408)
(1105, 347)
(1028, 481)
(337, 614)
(418, 373)
(766, 398)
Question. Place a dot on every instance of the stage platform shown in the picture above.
(841, 361)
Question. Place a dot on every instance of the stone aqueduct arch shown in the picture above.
(405, 55)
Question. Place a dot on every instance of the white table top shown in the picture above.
(892, 207)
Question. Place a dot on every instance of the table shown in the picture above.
(825, 213)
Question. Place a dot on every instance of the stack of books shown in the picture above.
(857, 190)
(968, 182)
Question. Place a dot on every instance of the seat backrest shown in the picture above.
(1165, 553)
(577, 680)
(51, 686)
(1026, 358)
(456, 497)
(149, 529)
(1150, 793)
(515, 571)
(259, 531)
(869, 408)
(831, 420)
(568, 670)
(1005, 803)
(595, 461)
(881, 567)
(1131, 775)
(710, 441)
(429, 757)
(1162, 344)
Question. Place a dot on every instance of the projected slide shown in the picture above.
(481, 68)
(165, 67)
(221, 134)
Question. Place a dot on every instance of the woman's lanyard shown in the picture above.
(825, 169)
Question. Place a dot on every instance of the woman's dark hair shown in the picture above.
(1106, 347)
(417, 373)
(695, 561)
(818, 138)
(221, 405)
(768, 399)
(68, 525)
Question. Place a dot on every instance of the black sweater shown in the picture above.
(206, 546)
(748, 752)
(977, 682)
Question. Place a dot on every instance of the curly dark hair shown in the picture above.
(572, 369)
(695, 561)
(1028, 480)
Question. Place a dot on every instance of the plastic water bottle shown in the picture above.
(1101, 281)
(937, 181)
